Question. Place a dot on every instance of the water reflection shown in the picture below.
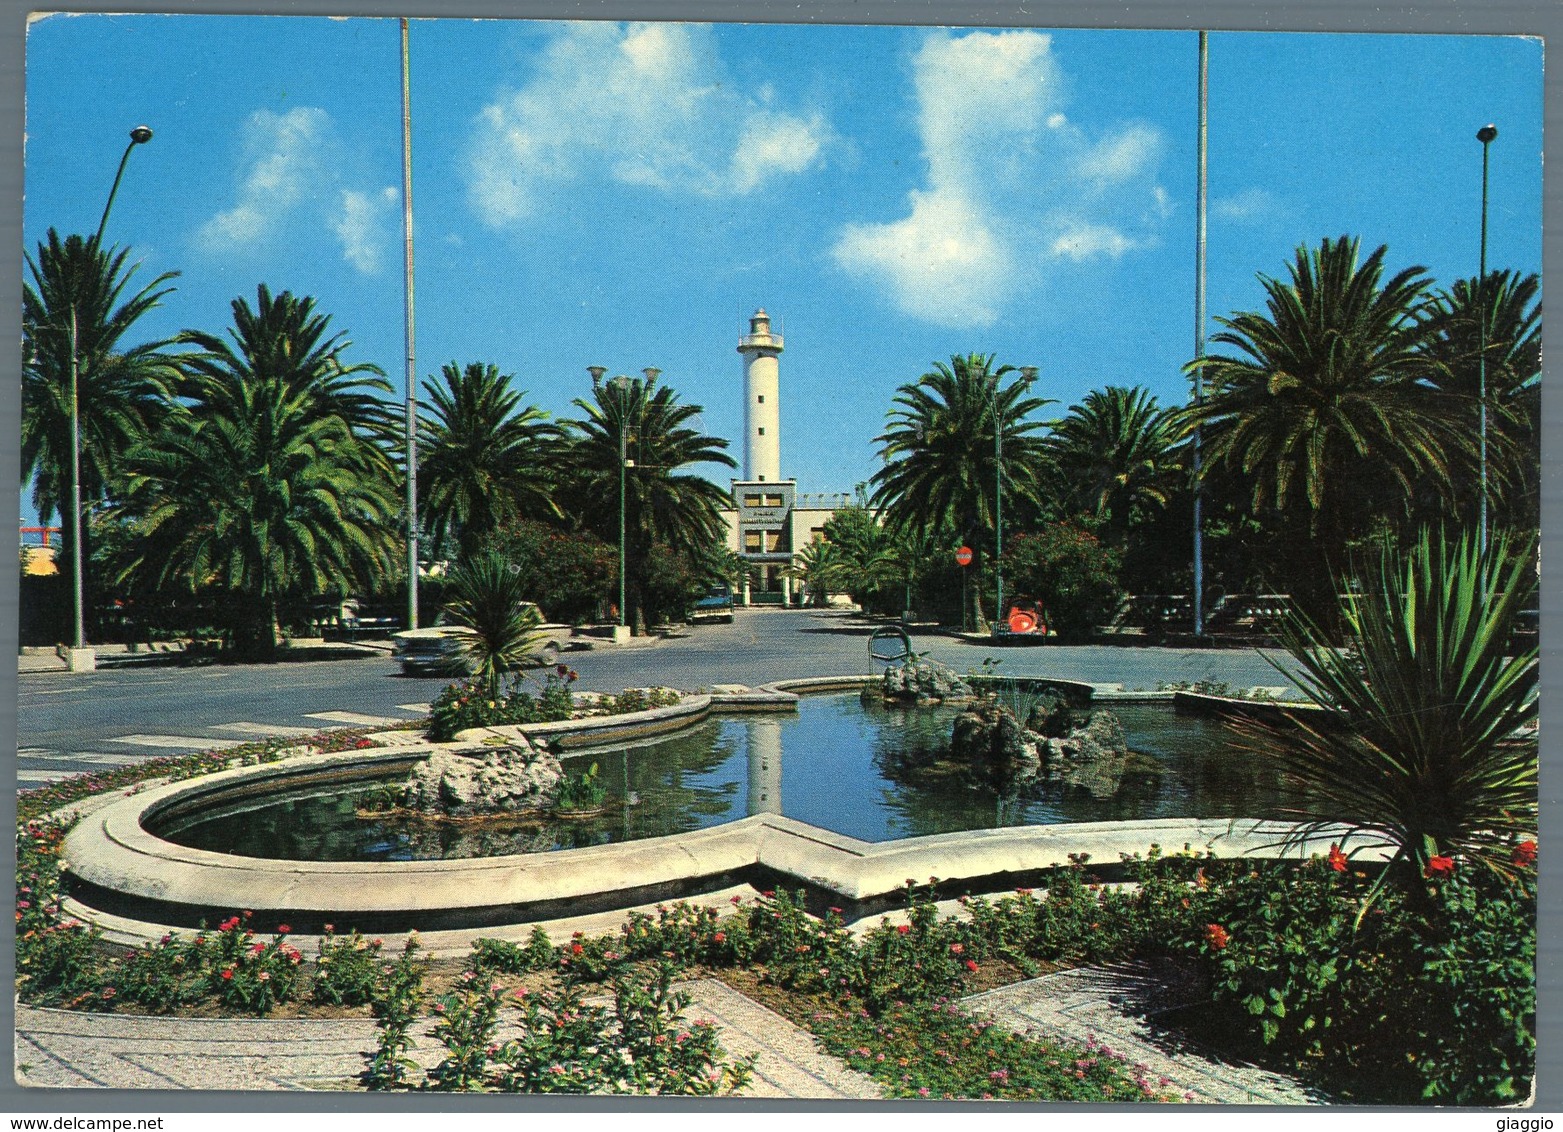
(867, 771)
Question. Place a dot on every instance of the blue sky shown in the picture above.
(626, 195)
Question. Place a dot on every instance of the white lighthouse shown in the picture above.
(769, 521)
(762, 395)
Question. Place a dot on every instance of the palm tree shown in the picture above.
(1323, 415)
(662, 509)
(939, 453)
(1503, 310)
(1425, 704)
(487, 595)
(1116, 457)
(484, 457)
(283, 339)
(259, 490)
(121, 389)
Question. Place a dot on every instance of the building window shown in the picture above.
(773, 542)
(774, 501)
(751, 501)
(762, 398)
(752, 542)
(761, 430)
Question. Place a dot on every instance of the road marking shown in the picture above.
(265, 729)
(93, 758)
(41, 775)
(420, 709)
(352, 717)
(185, 741)
(55, 691)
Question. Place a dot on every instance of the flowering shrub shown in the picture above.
(641, 699)
(645, 1045)
(465, 1022)
(469, 704)
(512, 959)
(251, 975)
(347, 969)
(936, 1050)
(166, 975)
(1432, 995)
(398, 996)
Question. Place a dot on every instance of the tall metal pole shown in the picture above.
(138, 136)
(1485, 135)
(76, 589)
(623, 454)
(998, 512)
(412, 378)
(1199, 334)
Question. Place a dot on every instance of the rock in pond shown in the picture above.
(485, 780)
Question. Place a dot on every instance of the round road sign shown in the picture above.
(963, 556)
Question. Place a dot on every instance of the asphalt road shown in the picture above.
(71, 723)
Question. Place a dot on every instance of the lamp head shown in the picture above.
(141, 135)
(619, 384)
(1487, 133)
(651, 372)
(596, 372)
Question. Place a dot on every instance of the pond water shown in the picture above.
(853, 768)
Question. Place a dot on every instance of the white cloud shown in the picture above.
(1014, 189)
(643, 104)
(290, 172)
(1246, 207)
(359, 225)
(941, 262)
(280, 164)
(1091, 240)
(1121, 156)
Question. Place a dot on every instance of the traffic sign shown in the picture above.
(963, 556)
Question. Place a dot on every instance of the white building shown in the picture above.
(770, 521)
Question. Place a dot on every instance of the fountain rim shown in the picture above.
(110, 850)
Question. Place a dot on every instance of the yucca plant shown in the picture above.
(1419, 748)
(488, 597)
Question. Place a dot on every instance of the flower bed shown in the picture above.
(468, 704)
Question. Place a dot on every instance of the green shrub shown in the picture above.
(936, 1050)
(250, 975)
(398, 996)
(511, 959)
(469, 704)
(583, 791)
(347, 969)
(1431, 996)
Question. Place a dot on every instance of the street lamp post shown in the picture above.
(138, 136)
(1028, 374)
(619, 384)
(1485, 135)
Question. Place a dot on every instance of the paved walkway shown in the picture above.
(65, 1049)
(1113, 1007)
(1117, 1008)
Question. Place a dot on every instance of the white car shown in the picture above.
(440, 650)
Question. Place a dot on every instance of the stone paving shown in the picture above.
(65, 1049)
(1113, 1007)
(1117, 1007)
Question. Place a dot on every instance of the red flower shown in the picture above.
(1337, 859)
(228, 973)
(1525, 853)
(1439, 867)
(971, 964)
(1216, 936)
(719, 937)
(576, 949)
(904, 928)
(283, 929)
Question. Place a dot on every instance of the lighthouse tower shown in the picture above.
(762, 392)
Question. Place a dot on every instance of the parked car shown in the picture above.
(1025, 621)
(715, 606)
(440, 649)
